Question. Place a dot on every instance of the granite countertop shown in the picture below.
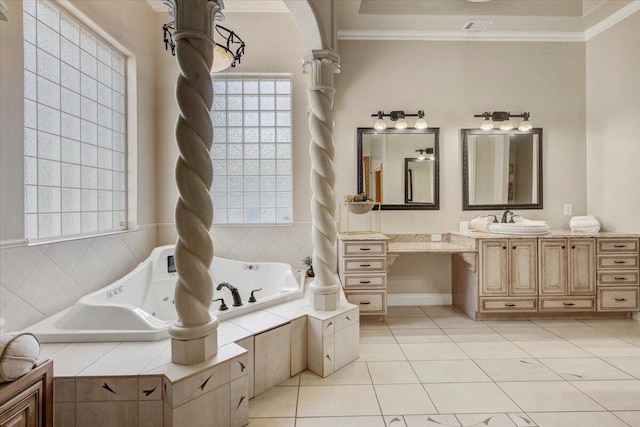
(361, 236)
(550, 234)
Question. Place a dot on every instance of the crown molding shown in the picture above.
(492, 36)
(612, 19)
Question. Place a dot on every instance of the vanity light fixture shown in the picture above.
(399, 117)
(226, 54)
(424, 151)
(504, 120)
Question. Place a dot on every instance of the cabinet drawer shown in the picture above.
(618, 278)
(617, 261)
(370, 302)
(353, 281)
(612, 299)
(364, 248)
(617, 245)
(358, 265)
(568, 304)
(507, 304)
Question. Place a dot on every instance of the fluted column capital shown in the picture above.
(188, 16)
(321, 65)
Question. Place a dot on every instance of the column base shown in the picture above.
(325, 298)
(189, 348)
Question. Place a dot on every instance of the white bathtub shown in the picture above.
(139, 307)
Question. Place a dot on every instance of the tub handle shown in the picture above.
(252, 298)
(223, 306)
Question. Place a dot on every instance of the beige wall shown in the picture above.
(613, 115)
(452, 81)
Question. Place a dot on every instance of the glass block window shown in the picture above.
(251, 151)
(74, 127)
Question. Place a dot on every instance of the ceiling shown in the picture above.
(522, 20)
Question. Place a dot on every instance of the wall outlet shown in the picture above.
(568, 209)
(436, 237)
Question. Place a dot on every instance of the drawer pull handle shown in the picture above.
(620, 278)
(364, 282)
(568, 303)
(510, 305)
(620, 299)
(619, 246)
(365, 249)
(619, 262)
(364, 303)
(365, 265)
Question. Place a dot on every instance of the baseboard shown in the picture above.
(419, 299)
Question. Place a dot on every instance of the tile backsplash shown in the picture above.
(38, 281)
(288, 244)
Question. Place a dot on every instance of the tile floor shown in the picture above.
(433, 366)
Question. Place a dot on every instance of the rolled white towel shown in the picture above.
(481, 223)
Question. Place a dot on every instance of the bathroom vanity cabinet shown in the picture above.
(618, 274)
(362, 266)
(28, 401)
(548, 275)
(567, 274)
(508, 275)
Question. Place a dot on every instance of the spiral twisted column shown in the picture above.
(321, 65)
(194, 334)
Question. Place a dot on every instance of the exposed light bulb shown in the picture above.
(506, 125)
(421, 157)
(379, 124)
(487, 124)
(525, 125)
(401, 124)
(421, 123)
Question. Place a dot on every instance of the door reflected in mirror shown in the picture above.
(502, 169)
(399, 168)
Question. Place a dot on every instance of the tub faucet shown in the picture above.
(504, 216)
(237, 301)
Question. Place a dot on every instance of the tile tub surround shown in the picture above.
(40, 280)
(461, 385)
(117, 363)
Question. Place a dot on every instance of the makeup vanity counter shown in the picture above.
(496, 276)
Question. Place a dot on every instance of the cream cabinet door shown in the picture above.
(494, 265)
(582, 270)
(552, 265)
(523, 272)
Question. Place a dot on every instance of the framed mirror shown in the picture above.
(399, 167)
(501, 169)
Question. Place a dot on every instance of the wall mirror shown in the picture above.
(399, 167)
(501, 169)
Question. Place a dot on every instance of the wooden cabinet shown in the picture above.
(362, 265)
(617, 274)
(567, 274)
(28, 401)
(508, 268)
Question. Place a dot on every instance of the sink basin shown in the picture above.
(532, 228)
(522, 226)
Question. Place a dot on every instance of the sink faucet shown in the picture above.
(504, 216)
(237, 301)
